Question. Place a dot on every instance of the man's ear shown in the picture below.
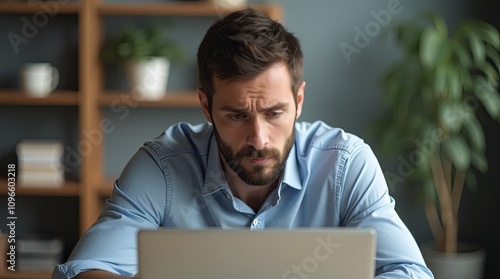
(204, 104)
(300, 98)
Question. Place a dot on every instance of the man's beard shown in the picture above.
(257, 176)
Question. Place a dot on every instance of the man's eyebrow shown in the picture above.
(278, 106)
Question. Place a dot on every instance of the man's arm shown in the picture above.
(366, 203)
(136, 203)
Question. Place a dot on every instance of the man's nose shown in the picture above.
(257, 134)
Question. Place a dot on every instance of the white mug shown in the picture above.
(39, 79)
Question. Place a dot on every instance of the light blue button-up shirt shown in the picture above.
(331, 179)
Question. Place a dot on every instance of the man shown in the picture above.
(251, 166)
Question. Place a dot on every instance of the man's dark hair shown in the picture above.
(242, 45)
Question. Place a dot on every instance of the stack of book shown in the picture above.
(40, 162)
(38, 253)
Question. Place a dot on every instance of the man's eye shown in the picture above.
(236, 117)
(274, 114)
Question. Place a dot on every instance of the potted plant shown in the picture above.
(435, 94)
(147, 55)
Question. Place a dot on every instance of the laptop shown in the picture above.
(264, 254)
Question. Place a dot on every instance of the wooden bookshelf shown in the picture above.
(56, 98)
(24, 275)
(54, 7)
(91, 99)
(68, 189)
(171, 99)
(178, 8)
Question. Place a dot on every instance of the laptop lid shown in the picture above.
(265, 254)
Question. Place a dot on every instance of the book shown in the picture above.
(39, 176)
(39, 147)
(40, 264)
(40, 162)
(39, 246)
(39, 253)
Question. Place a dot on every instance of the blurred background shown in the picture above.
(343, 89)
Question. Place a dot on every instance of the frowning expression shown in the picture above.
(254, 123)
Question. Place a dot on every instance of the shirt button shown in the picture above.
(255, 222)
(228, 196)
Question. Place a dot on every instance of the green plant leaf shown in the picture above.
(451, 116)
(430, 47)
(463, 56)
(454, 82)
(494, 56)
(475, 133)
(438, 22)
(440, 81)
(491, 73)
(458, 151)
(141, 42)
(477, 47)
(489, 97)
(485, 31)
(467, 82)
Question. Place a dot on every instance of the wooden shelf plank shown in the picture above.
(69, 189)
(54, 7)
(24, 275)
(202, 8)
(180, 9)
(56, 98)
(171, 99)
(186, 9)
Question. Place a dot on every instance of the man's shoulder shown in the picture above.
(320, 135)
(183, 138)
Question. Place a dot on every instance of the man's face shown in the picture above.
(254, 123)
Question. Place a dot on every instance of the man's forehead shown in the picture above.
(259, 107)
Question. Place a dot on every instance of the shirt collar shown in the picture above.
(214, 176)
(291, 177)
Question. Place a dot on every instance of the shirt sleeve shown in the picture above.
(366, 203)
(138, 201)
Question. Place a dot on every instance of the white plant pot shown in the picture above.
(229, 4)
(148, 77)
(468, 263)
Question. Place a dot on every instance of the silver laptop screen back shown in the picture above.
(245, 254)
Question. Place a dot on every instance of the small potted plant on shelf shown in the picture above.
(147, 56)
(437, 94)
